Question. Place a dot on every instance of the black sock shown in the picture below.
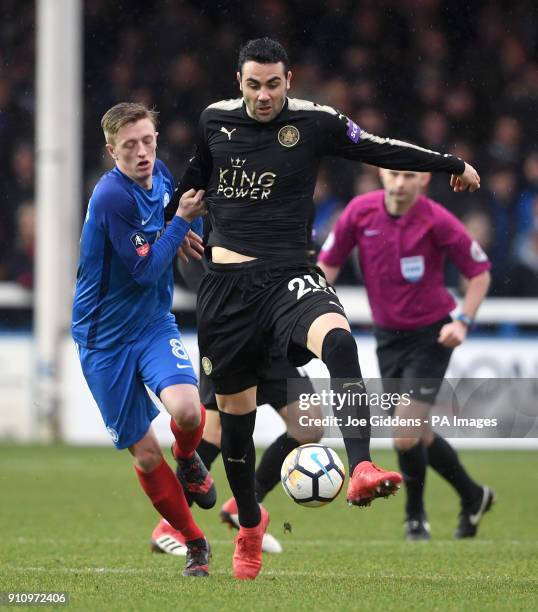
(444, 460)
(413, 464)
(268, 472)
(239, 456)
(339, 353)
(208, 452)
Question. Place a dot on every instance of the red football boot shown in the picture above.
(247, 559)
(368, 482)
(229, 514)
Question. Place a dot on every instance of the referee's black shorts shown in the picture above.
(248, 312)
(413, 361)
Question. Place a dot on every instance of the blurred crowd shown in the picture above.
(455, 76)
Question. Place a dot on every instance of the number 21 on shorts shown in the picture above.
(307, 283)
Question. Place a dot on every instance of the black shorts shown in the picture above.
(415, 357)
(248, 312)
(272, 388)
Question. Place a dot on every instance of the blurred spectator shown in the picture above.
(336, 94)
(478, 224)
(527, 206)
(372, 120)
(269, 18)
(434, 130)
(501, 192)
(307, 79)
(7, 124)
(175, 144)
(523, 274)
(522, 95)
(186, 88)
(460, 107)
(429, 87)
(121, 77)
(20, 261)
(332, 32)
(23, 179)
(504, 148)
(512, 57)
(18, 186)
(367, 180)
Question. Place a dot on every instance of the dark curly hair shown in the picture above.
(264, 51)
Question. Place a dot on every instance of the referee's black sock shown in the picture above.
(413, 464)
(444, 460)
(339, 353)
(208, 452)
(268, 472)
(239, 456)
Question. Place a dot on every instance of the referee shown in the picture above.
(403, 240)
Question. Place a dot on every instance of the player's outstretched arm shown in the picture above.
(344, 138)
(468, 180)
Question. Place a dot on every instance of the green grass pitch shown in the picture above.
(75, 519)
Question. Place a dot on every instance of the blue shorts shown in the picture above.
(116, 377)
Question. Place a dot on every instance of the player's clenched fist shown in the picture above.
(452, 334)
(468, 180)
(192, 205)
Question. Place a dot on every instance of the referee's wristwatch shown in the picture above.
(465, 319)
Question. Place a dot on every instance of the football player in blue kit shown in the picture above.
(125, 334)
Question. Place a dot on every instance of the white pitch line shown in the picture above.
(433, 542)
(280, 573)
(286, 539)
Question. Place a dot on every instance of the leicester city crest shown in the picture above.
(207, 365)
(288, 136)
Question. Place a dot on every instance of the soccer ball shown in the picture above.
(312, 475)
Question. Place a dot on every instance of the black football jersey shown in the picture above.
(259, 177)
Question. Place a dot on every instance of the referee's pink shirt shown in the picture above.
(402, 258)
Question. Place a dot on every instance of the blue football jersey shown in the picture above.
(125, 278)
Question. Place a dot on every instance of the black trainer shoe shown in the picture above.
(471, 515)
(197, 559)
(417, 528)
(196, 481)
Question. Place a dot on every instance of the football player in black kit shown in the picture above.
(257, 158)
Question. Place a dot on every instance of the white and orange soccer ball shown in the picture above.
(312, 475)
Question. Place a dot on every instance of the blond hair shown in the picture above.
(122, 114)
